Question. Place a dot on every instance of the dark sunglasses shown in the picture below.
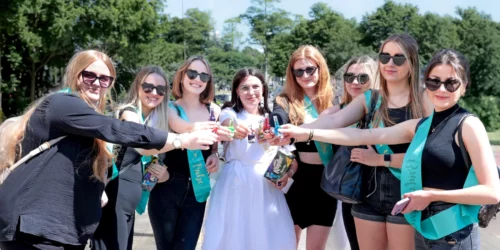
(398, 60)
(362, 78)
(149, 87)
(90, 77)
(192, 74)
(300, 72)
(450, 84)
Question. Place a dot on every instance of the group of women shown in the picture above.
(80, 190)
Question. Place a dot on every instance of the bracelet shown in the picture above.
(291, 170)
(311, 134)
(216, 154)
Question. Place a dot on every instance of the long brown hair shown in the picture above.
(13, 135)
(207, 96)
(293, 95)
(409, 46)
(160, 111)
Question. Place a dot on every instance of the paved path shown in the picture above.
(144, 240)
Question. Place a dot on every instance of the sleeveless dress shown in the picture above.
(245, 211)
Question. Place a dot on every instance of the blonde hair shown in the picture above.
(370, 68)
(160, 111)
(207, 96)
(293, 94)
(13, 134)
(409, 47)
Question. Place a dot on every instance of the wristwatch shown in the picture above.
(387, 160)
(177, 142)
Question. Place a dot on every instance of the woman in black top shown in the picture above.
(176, 214)
(359, 75)
(146, 104)
(53, 201)
(307, 78)
(434, 166)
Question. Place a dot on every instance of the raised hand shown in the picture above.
(292, 131)
(212, 163)
(199, 139)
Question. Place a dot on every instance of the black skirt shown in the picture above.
(308, 203)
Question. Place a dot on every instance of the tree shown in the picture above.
(390, 18)
(193, 30)
(226, 63)
(435, 32)
(230, 35)
(479, 36)
(265, 23)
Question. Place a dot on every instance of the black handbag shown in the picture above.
(343, 179)
(489, 211)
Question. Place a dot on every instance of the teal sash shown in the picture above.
(381, 148)
(199, 173)
(447, 221)
(141, 208)
(325, 150)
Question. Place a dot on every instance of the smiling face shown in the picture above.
(92, 88)
(442, 98)
(390, 71)
(149, 92)
(250, 93)
(309, 73)
(356, 88)
(195, 79)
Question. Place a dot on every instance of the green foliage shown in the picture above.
(37, 38)
(486, 108)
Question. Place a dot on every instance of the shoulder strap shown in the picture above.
(461, 144)
(36, 151)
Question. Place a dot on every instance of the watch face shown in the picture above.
(177, 143)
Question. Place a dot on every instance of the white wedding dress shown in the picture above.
(245, 211)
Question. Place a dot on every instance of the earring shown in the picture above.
(262, 102)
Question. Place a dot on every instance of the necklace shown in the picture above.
(434, 129)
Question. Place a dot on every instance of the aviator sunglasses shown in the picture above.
(362, 78)
(90, 77)
(192, 74)
(450, 84)
(149, 87)
(398, 59)
(300, 72)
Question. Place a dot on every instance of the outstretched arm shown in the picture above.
(397, 134)
(347, 116)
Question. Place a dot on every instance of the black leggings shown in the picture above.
(349, 226)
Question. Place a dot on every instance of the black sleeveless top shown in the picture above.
(399, 115)
(177, 161)
(443, 166)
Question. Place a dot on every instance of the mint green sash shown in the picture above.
(381, 148)
(447, 221)
(325, 150)
(199, 173)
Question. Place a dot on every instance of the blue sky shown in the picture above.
(225, 9)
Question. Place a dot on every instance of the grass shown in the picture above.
(494, 137)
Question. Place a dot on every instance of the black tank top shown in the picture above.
(177, 161)
(443, 166)
(399, 115)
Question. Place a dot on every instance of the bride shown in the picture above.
(246, 211)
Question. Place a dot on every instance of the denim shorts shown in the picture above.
(382, 191)
(466, 238)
